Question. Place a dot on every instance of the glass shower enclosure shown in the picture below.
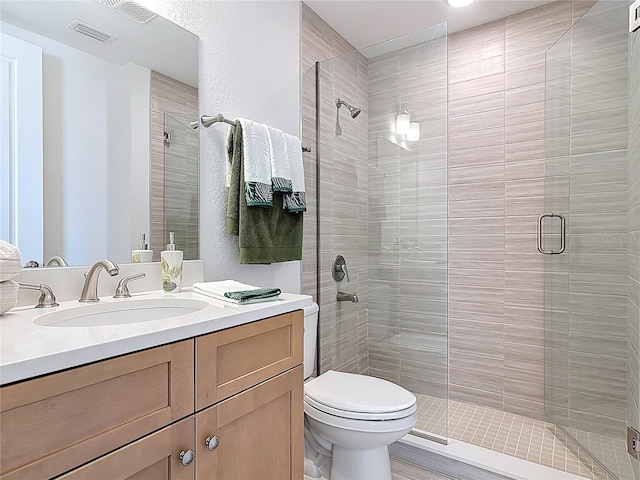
(589, 234)
(383, 207)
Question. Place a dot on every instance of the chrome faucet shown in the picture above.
(347, 297)
(90, 287)
(57, 261)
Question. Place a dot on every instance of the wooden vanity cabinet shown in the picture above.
(130, 417)
(257, 434)
(54, 423)
(244, 399)
(154, 457)
(233, 360)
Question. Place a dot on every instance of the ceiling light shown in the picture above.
(402, 123)
(459, 3)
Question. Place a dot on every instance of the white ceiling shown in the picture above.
(367, 22)
(159, 45)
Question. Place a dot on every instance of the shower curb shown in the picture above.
(465, 461)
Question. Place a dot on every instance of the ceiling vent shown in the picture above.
(92, 32)
(133, 10)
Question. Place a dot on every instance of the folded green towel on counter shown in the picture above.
(243, 296)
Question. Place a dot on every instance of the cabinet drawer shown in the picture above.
(154, 457)
(259, 432)
(233, 360)
(55, 423)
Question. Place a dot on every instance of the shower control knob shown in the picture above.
(339, 269)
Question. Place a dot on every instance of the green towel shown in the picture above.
(243, 296)
(265, 234)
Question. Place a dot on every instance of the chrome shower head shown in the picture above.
(355, 111)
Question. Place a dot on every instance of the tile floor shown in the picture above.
(522, 437)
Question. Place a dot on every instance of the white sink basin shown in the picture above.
(121, 312)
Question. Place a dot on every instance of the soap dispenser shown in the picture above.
(171, 260)
(142, 254)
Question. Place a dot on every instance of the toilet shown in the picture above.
(350, 419)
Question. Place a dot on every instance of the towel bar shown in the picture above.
(208, 120)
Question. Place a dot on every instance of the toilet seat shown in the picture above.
(359, 397)
(359, 415)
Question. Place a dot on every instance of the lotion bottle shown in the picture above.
(171, 260)
(142, 254)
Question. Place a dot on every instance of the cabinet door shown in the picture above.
(259, 433)
(55, 423)
(235, 359)
(154, 457)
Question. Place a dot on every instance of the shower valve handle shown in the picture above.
(344, 269)
(340, 270)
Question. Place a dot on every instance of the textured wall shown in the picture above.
(633, 219)
(343, 183)
(180, 160)
(244, 72)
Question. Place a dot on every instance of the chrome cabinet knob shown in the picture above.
(212, 442)
(186, 457)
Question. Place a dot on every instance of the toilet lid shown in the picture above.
(358, 393)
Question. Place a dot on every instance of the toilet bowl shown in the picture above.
(351, 418)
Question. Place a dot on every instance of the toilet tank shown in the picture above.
(310, 338)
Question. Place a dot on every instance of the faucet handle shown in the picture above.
(47, 298)
(122, 290)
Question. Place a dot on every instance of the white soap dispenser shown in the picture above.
(171, 260)
(142, 254)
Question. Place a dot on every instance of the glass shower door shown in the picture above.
(383, 206)
(590, 305)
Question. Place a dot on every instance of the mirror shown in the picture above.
(101, 144)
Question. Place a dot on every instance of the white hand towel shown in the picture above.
(280, 171)
(295, 202)
(257, 163)
(218, 289)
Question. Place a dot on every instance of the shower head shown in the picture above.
(355, 111)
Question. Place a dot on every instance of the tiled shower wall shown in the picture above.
(343, 209)
(170, 95)
(408, 217)
(496, 182)
(633, 244)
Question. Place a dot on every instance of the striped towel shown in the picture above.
(257, 163)
(236, 292)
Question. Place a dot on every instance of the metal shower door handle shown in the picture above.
(563, 233)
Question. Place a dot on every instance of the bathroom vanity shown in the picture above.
(221, 399)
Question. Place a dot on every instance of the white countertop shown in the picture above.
(29, 350)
